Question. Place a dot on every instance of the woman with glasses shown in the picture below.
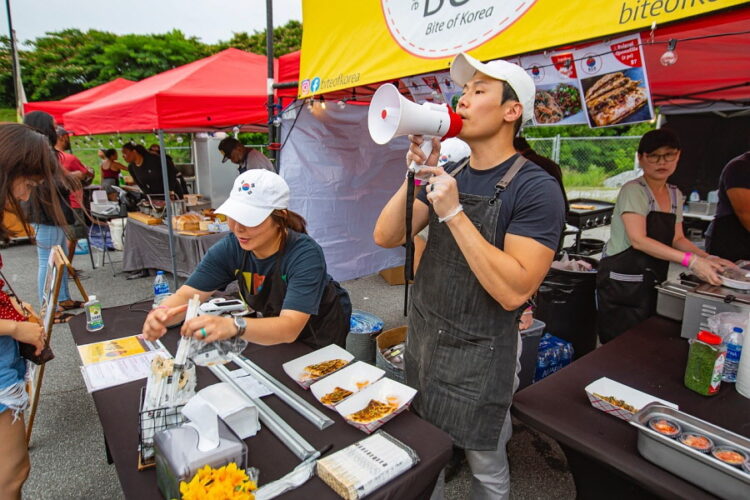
(646, 235)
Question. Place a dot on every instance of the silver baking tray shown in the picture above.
(701, 469)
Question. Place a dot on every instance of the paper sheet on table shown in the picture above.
(119, 371)
(251, 385)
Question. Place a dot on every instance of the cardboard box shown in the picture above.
(394, 275)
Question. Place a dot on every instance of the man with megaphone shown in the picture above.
(495, 219)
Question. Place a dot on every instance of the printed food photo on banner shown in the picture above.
(616, 98)
(558, 96)
(558, 104)
(614, 82)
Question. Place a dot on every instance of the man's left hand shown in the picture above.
(442, 191)
(209, 328)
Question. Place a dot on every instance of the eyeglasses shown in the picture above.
(656, 157)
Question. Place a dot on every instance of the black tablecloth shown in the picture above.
(118, 411)
(147, 247)
(651, 358)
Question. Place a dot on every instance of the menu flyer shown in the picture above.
(118, 361)
(558, 90)
(614, 82)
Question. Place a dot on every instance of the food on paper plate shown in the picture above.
(617, 402)
(375, 410)
(697, 441)
(335, 396)
(320, 369)
(729, 456)
(614, 97)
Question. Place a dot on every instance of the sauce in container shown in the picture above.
(705, 364)
(730, 455)
(697, 441)
(665, 426)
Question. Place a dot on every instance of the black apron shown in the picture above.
(461, 348)
(729, 239)
(329, 326)
(625, 282)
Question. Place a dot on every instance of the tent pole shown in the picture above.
(270, 81)
(168, 205)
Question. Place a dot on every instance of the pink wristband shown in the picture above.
(686, 259)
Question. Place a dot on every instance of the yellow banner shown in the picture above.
(347, 43)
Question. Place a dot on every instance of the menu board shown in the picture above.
(558, 91)
(614, 82)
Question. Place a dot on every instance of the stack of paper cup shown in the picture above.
(743, 372)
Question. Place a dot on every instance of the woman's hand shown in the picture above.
(724, 262)
(209, 328)
(157, 321)
(707, 269)
(32, 333)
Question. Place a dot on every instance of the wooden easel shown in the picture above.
(57, 262)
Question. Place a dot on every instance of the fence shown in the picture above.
(588, 161)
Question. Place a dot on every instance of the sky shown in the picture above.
(209, 20)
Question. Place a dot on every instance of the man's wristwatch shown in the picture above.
(241, 323)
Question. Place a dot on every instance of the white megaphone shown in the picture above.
(392, 115)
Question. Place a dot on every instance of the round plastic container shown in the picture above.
(697, 441)
(665, 426)
(730, 455)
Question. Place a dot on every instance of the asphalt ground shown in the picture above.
(67, 447)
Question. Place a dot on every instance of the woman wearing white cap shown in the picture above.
(280, 270)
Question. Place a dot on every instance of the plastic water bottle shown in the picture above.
(94, 319)
(695, 196)
(734, 351)
(161, 288)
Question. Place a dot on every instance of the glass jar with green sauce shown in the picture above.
(705, 364)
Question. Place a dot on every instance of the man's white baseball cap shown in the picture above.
(464, 66)
(255, 194)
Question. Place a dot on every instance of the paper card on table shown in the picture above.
(249, 384)
(119, 371)
(109, 350)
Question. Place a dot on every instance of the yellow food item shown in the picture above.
(324, 368)
(335, 396)
(375, 410)
(617, 402)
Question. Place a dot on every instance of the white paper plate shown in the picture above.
(296, 367)
(347, 378)
(381, 390)
(633, 397)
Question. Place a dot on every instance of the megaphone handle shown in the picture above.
(426, 148)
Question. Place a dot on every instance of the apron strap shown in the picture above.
(503, 183)
(460, 167)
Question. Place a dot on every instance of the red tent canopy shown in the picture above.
(75, 101)
(288, 73)
(223, 90)
(704, 64)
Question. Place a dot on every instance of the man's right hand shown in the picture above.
(415, 153)
(159, 319)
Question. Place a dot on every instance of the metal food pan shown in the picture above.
(701, 469)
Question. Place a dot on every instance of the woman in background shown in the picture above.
(646, 235)
(27, 164)
(111, 169)
(49, 230)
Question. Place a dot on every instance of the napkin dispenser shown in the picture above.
(178, 457)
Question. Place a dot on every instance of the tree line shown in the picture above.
(65, 62)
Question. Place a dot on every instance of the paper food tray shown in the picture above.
(633, 397)
(381, 390)
(347, 378)
(296, 367)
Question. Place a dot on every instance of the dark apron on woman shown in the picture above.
(625, 282)
(329, 326)
(729, 239)
(462, 345)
